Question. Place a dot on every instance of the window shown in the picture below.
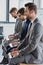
(22, 2)
(37, 2)
(12, 3)
(18, 4)
(2, 10)
(41, 5)
(6, 5)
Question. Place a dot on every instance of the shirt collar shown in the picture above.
(33, 20)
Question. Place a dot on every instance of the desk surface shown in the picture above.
(30, 64)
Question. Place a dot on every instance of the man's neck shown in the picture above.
(32, 19)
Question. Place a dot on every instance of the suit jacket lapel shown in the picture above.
(32, 27)
(30, 30)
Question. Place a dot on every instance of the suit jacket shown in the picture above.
(24, 29)
(31, 45)
(18, 28)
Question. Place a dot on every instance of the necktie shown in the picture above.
(30, 25)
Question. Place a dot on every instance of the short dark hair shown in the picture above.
(31, 6)
(21, 11)
(13, 9)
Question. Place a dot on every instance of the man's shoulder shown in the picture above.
(37, 22)
(37, 25)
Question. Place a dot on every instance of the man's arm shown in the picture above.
(35, 38)
(14, 36)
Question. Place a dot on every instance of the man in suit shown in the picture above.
(31, 52)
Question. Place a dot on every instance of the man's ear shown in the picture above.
(32, 11)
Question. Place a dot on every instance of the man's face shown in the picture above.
(27, 12)
(21, 17)
(14, 14)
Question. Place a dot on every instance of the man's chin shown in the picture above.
(15, 16)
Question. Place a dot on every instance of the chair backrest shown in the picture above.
(1, 34)
(1, 30)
